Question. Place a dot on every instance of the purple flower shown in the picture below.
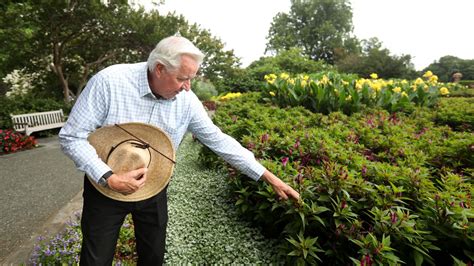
(284, 161)
(393, 217)
(264, 138)
(364, 171)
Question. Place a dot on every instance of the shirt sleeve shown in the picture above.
(88, 114)
(222, 144)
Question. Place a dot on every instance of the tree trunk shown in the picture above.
(88, 66)
(58, 70)
(64, 83)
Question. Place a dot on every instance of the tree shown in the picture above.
(77, 38)
(447, 65)
(375, 59)
(317, 27)
(289, 61)
(13, 32)
(252, 77)
(69, 32)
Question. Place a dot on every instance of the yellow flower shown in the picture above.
(284, 76)
(303, 83)
(426, 88)
(374, 76)
(272, 93)
(419, 81)
(428, 74)
(433, 79)
(291, 81)
(324, 80)
(270, 78)
(404, 81)
(404, 94)
(345, 83)
(231, 95)
(444, 91)
(397, 89)
(348, 98)
(376, 86)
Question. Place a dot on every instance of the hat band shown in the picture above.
(144, 143)
(135, 144)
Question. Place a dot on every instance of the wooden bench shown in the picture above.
(29, 123)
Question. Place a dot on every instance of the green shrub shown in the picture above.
(239, 80)
(204, 90)
(376, 187)
(468, 83)
(458, 113)
(289, 61)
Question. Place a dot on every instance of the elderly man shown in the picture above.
(158, 93)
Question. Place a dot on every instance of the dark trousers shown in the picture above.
(102, 219)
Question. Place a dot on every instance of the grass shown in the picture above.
(203, 227)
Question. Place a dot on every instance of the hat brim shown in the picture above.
(160, 168)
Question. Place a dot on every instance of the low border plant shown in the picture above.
(12, 141)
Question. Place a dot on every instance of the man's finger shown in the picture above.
(295, 195)
(138, 173)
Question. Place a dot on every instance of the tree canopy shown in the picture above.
(317, 27)
(71, 40)
(373, 58)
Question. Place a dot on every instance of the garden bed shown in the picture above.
(376, 187)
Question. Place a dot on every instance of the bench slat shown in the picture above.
(33, 122)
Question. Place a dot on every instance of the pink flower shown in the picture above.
(343, 204)
(297, 144)
(284, 161)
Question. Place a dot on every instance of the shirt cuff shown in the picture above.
(255, 172)
(95, 173)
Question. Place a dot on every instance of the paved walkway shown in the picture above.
(40, 190)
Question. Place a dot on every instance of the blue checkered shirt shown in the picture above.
(121, 94)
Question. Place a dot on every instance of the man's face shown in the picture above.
(170, 83)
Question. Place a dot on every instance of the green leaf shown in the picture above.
(418, 257)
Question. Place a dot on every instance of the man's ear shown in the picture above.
(159, 69)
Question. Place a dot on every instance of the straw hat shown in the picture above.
(129, 146)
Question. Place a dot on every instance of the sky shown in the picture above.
(424, 29)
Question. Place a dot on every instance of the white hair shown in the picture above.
(168, 52)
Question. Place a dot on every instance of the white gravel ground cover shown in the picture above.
(204, 227)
